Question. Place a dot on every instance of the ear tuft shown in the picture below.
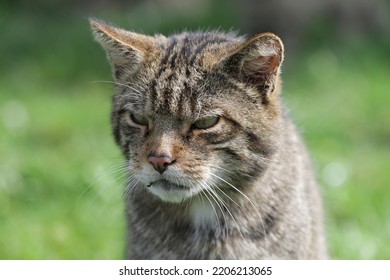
(125, 49)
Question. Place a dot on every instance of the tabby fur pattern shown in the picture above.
(216, 168)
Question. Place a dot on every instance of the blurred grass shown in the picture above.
(341, 101)
(59, 195)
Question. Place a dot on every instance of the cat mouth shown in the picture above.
(169, 191)
(165, 185)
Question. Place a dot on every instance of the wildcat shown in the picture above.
(216, 168)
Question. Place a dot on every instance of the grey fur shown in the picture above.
(242, 188)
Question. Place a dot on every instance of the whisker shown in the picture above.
(113, 169)
(108, 197)
(221, 168)
(252, 204)
(131, 185)
(215, 212)
(268, 161)
(221, 191)
(188, 203)
(227, 210)
(208, 190)
(118, 185)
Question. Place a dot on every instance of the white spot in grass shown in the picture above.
(336, 173)
(10, 179)
(14, 115)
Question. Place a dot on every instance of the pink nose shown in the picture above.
(160, 163)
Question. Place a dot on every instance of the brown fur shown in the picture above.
(241, 188)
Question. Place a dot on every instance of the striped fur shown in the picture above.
(240, 187)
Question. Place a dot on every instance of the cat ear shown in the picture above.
(257, 61)
(125, 49)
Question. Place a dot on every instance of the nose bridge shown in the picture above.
(161, 144)
(160, 154)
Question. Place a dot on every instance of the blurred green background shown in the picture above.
(60, 178)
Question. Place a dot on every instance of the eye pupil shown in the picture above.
(206, 122)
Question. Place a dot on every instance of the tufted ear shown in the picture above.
(257, 61)
(125, 49)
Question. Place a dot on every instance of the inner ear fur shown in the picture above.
(257, 61)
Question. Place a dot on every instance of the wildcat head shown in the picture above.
(194, 112)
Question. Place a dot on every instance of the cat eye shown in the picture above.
(139, 119)
(206, 122)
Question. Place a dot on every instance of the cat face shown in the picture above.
(195, 112)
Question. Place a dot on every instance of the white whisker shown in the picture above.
(225, 194)
(227, 210)
(221, 168)
(252, 204)
(112, 170)
(215, 211)
(131, 185)
(209, 191)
